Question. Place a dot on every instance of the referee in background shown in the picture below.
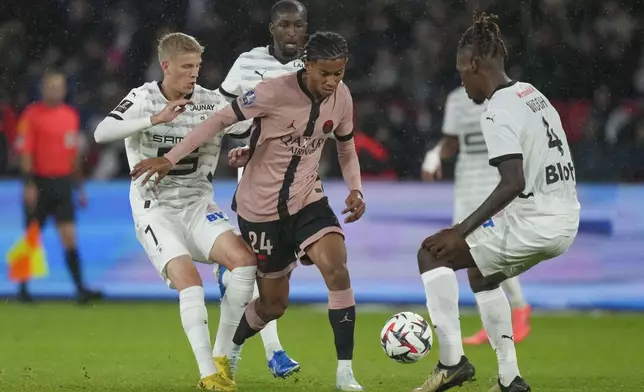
(48, 133)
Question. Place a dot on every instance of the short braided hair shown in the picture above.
(484, 37)
(325, 45)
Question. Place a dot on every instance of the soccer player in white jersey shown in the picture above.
(288, 30)
(474, 181)
(531, 216)
(178, 222)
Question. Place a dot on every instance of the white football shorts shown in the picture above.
(512, 245)
(168, 233)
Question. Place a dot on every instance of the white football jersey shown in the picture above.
(252, 67)
(190, 180)
(474, 177)
(520, 122)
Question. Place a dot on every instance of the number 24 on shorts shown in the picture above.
(264, 243)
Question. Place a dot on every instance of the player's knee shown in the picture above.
(243, 257)
(273, 308)
(182, 273)
(479, 283)
(231, 251)
(337, 277)
(427, 262)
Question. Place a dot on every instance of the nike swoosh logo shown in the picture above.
(448, 379)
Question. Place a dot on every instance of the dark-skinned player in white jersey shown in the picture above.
(531, 216)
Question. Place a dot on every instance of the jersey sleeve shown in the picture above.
(255, 103)
(25, 138)
(232, 87)
(130, 107)
(344, 131)
(451, 125)
(502, 136)
(240, 130)
(347, 154)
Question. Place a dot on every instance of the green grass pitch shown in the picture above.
(141, 347)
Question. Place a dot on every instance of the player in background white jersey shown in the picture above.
(178, 221)
(288, 31)
(474, 181)
(531, 216)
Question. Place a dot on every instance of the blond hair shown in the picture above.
(174, 43)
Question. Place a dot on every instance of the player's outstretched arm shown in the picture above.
(198, 136)
(111, 129)
(127, 119)
(203, 132)
(254, 103)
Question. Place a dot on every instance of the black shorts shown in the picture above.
(279, 243)
(55, 198)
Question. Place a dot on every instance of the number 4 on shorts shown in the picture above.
(264, 243)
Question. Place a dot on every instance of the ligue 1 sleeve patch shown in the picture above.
(247, 99)
(123, 106)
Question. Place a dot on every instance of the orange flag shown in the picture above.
(26, 259)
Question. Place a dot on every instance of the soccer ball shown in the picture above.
(406, 337)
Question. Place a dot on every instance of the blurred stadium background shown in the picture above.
(585, 55)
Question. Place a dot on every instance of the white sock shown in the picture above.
(238, 294)
(344, 364)
(441, 289)
(512, 288)
(269, 333)
(194, 318)
(497, 320)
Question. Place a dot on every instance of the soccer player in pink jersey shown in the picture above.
(281, 207)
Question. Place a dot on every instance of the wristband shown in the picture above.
(432, 160)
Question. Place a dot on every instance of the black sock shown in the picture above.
(73, 264)
(343, 322)
(243, 332)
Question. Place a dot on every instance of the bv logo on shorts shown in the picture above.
(215, 216)
(489, 223)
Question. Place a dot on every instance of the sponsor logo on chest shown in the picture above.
(302, 145)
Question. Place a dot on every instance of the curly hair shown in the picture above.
(484, 37)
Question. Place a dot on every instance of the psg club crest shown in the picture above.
(248, 98)
(327, 127)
